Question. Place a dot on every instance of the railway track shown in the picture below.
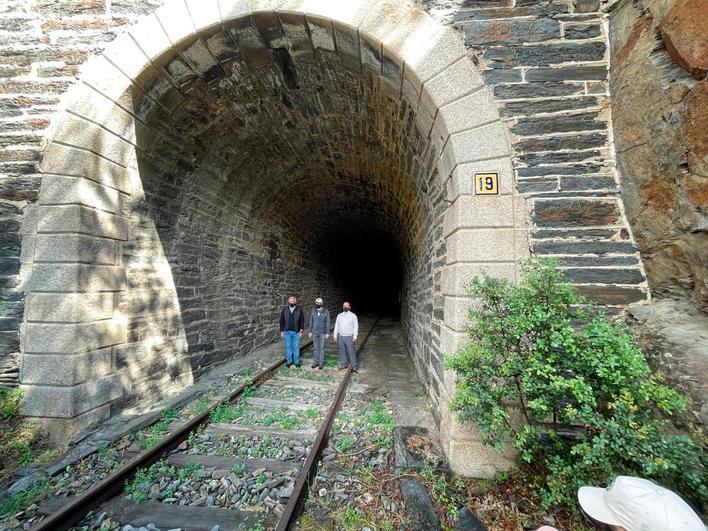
(243, 449)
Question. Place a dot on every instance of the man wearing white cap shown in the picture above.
(636, 504)
(319, 331)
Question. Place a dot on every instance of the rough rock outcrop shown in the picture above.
(674, 335)
(660, 105)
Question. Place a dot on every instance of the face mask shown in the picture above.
(319, 306)
(292, 305)
(346, 309)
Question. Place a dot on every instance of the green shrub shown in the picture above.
(573, 393)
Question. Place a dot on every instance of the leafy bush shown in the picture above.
(573, 393)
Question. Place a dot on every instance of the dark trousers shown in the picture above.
(346, 346)
(318, 341)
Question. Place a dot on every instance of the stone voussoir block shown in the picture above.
(48, 277)
(298, 35)
(71, 401)
(348, 47)
(456, 311)
(351, 13)
(205, 13)
(105, 78)
(493, 245)
(64, 160)
(462, 180)
(99, 108)
(470, 211)
(63, 190)
(150, 36)
(82, 220)
(321, 33)
(456, 278)
(453, 83)
(74, 248)
(77, 132)
(69, 307)
(469, 112)
(64, 369)
(176, 21)
(486, 142)
(200, 59)
(54, 338)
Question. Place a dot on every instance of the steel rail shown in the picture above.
(78, 507)
(111, 486)
(291, 511)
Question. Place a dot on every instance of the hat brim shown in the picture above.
(592, 500)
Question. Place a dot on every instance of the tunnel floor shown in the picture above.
(388, 369)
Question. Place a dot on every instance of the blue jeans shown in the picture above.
(292, 346)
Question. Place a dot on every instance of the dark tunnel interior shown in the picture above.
(368, 266)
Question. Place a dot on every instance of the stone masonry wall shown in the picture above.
(42, 45)
(547, 62)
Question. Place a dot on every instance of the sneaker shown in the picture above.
(297, 365)
(321, 367)
(354, 369)
(313, 366)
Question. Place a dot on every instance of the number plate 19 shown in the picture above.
(486, 184)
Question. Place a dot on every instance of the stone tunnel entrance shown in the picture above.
(216, 159)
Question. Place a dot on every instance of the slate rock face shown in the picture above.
(469, 522)
(419, 507)
(674, 335)
(659, 113)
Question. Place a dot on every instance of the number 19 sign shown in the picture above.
(486, 184)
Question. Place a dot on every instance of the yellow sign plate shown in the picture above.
(486, 184)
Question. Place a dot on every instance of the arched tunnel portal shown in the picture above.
(221, 156)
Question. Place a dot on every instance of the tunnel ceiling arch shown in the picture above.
(209, 161)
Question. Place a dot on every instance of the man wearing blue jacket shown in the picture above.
(292, 325)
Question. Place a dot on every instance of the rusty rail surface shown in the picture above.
(309, 469)
(78, 507)
(113, 485)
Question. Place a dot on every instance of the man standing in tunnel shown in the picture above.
(292, 324)
(346, 328)
(319, 331)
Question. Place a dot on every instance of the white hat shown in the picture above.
(318, 300)
(639, 505)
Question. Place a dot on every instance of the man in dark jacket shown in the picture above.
(319, 331)
(292, 324)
